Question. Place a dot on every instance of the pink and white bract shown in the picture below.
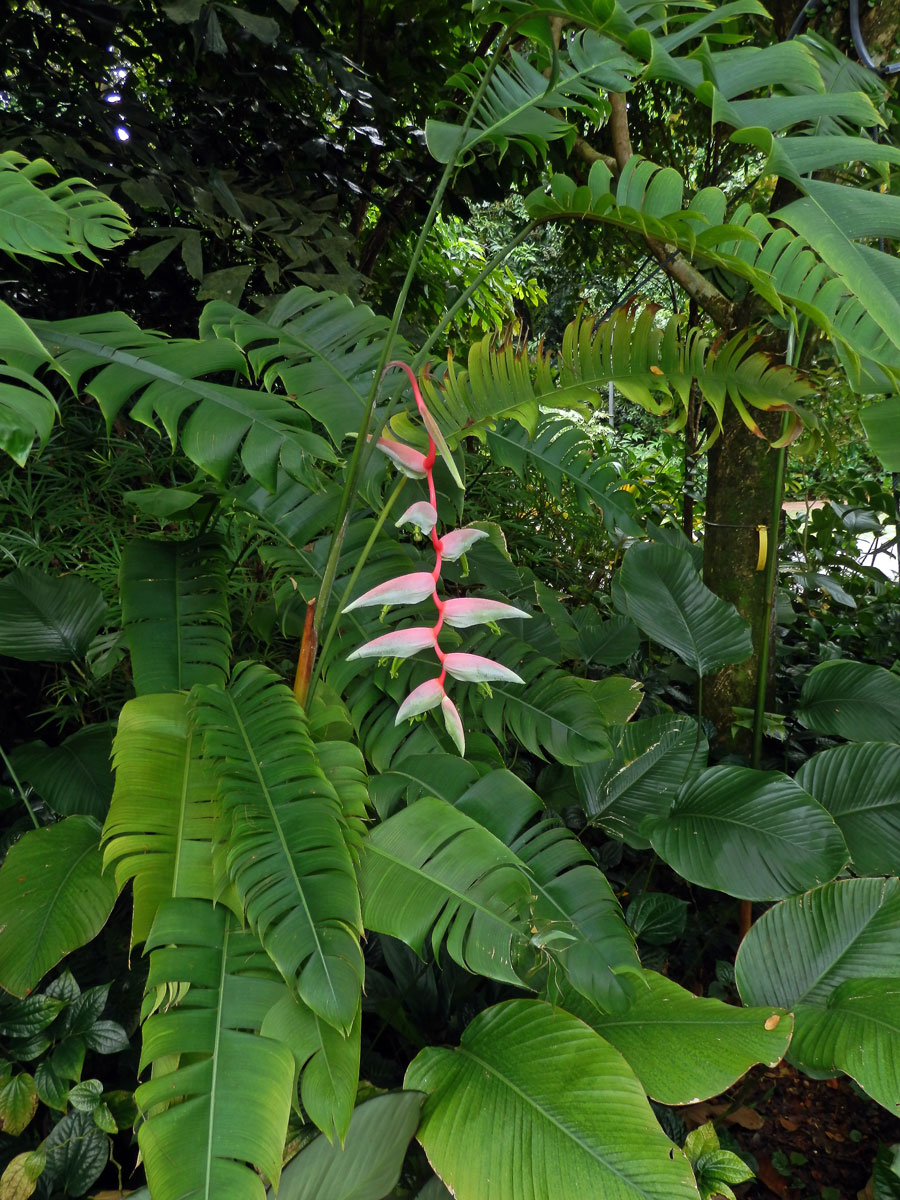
(419, 585)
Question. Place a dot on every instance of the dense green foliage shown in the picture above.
(377, 926)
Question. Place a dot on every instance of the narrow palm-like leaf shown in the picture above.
(175, 613)
(803, 948)
(860, 787)
(200, 1137)
(48, 619)
(753, 834)
(159, 831)
(684, 1048)
(666, 599)
(53, 897)
(528, 1072)
(283, 831)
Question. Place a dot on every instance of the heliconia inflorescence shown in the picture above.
(418, 586)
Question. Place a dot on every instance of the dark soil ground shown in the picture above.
(812, 1139)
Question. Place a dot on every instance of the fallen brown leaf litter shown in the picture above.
(814, 1139)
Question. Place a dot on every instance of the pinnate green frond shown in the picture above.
(283, 833)
(175, 613)
(201, 1136)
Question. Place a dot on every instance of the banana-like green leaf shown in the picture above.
(283, 831)
(175, 613)
(74, 777)
(684, 1048)
(159, 831)
(753, 834)
(201, 1137)
(882, 425)
(858, 1032)
(860, 787)
(47, 618)
(61, 221)
(53, 899)
(165, 378)
(328, 1060)
(666, 599)
(853, 700)
(528, 1074)
(319, 346)
(803, 948)
(368, 1164)
(652, 761)
(432, 873)
(27, 406)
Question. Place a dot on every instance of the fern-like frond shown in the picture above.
(175, 614)
(283, 832)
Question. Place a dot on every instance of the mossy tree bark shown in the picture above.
(740, 483)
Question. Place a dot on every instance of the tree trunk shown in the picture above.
(741, 479)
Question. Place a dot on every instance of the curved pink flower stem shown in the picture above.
(430, 459)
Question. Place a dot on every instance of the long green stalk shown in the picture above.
(19, 788)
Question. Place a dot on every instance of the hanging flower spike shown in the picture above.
(410, 589)
(402, 589)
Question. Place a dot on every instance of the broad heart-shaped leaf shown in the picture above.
(283, 832)
(853, 700)
(175, 613)
(803, 948)
(53, 897)
(684, 1048)
(666, 599)
(431, 872)
(159, 831)
(859, 786)
(48, 619)
(73, 777)
(210, 1057)
(531, 1079)
(368, 1165)
(653, 760)
(858, 1032)
(752, 834)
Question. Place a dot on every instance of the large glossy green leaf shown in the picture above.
(175, 613)
(666, 599)
(684, 1048)
(574, 917)
(159, 831)
(201, 1137)
(858, 1032)
(283, 832)
(59, 221)
(860, 787)
(48, 618)
(527, 1074)
(882, 425)
(368, 1164)
(27, 406)
(653, 760)
(53, 897)
(803, 948)
(853, 700)
(73, 777)
(166, 379)
(432, 873)
(753, 834)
